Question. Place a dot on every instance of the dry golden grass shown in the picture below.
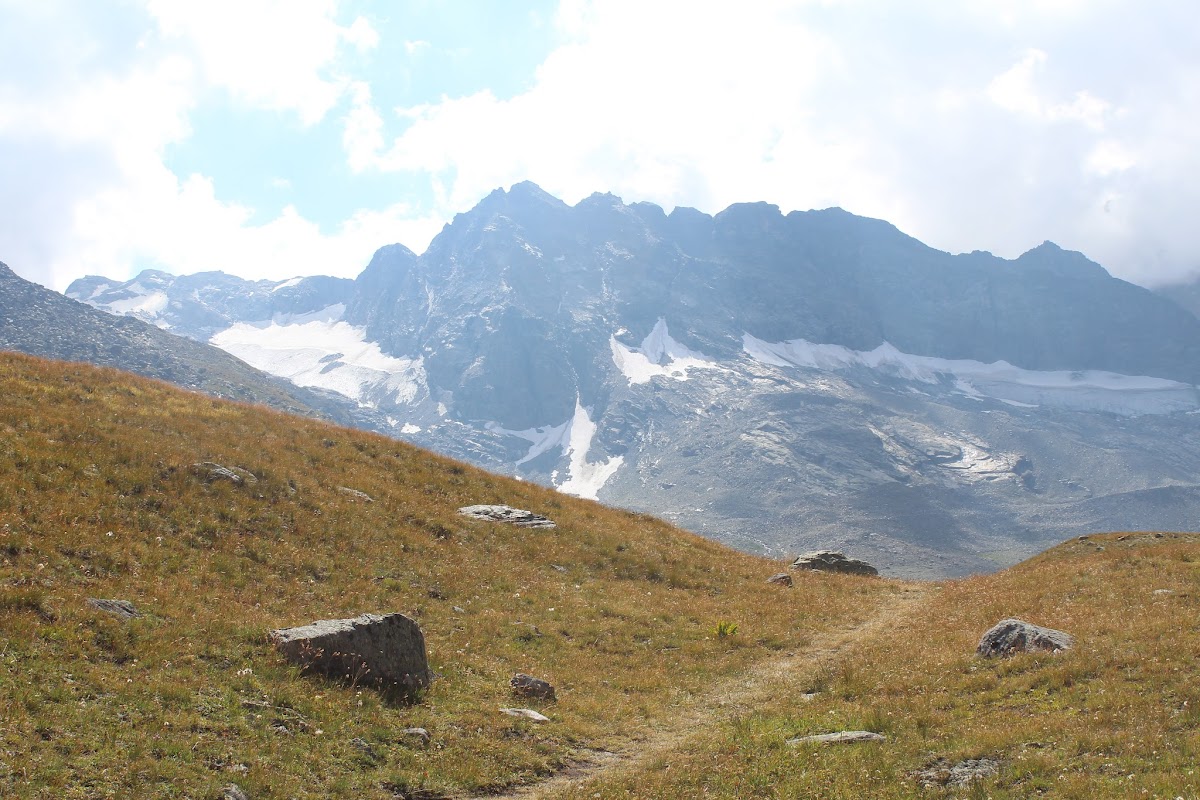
(97, 499)
(1115, 717)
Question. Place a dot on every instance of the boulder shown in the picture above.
(418, 735)
(841, 737)
(513, 516)
(1009, 636)
(122, 608)
(233, 792)
(387, 651)
(782, 578)
(833, 561)
(528, 686)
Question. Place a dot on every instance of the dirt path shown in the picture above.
(768, 680)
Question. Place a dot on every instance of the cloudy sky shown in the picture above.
(272, 138)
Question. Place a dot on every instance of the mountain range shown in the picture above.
(777, 382)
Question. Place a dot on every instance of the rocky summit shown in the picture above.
(779, 382)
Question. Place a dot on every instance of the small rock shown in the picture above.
(233, 792)
(386, 651)
(355, 494)
(841, 737)
(782, 578)
(122, 608)
(558, 568)
(1163, 591)
(1010, 636)
(833, 561)
(458, 609)
(528, 686)
(527, 713)
(212, 471)
(943, 773)
(513, 516)
(364, 747)
(416, 734)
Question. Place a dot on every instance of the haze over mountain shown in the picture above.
(776, 382)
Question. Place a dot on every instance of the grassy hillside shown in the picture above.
(1118, 716)
(98, 499)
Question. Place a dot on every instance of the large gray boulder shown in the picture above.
(1009, 636)
(833, 561)
(387, 651)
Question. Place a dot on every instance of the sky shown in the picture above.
(273, 138)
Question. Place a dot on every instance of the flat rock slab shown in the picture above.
(841, 737)
(959, 775)
(833, 561)
(122, 608)
(525, 713)
(1009, 636)
(782, 578)
(513, 516)
(212, 471)
(355, 494)
(386, 651)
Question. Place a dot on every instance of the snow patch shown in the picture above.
(586, 479)
(659, 355)
(1084, 390)
(574, 439)
(141, 305)
(319, 350)
(410, 428)
(285, 284)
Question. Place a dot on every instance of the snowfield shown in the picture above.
(319, 350)
(1085, 390)
(659, 355)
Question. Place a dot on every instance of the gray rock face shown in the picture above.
(386, 651)
(122, 608)
(833, 561)
(841, 737)
(513, 516)
(528, 686)
(537, 322)
(1009, 636)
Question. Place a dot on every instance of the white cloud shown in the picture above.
(83, 138)
(273, 54)
(993, 125)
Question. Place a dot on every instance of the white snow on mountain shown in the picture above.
(586, 478)
(319, 350)
(1084, 390)
(540, 440)
(285, 284)
(574, 439)
(659, 355)
(145, 304)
